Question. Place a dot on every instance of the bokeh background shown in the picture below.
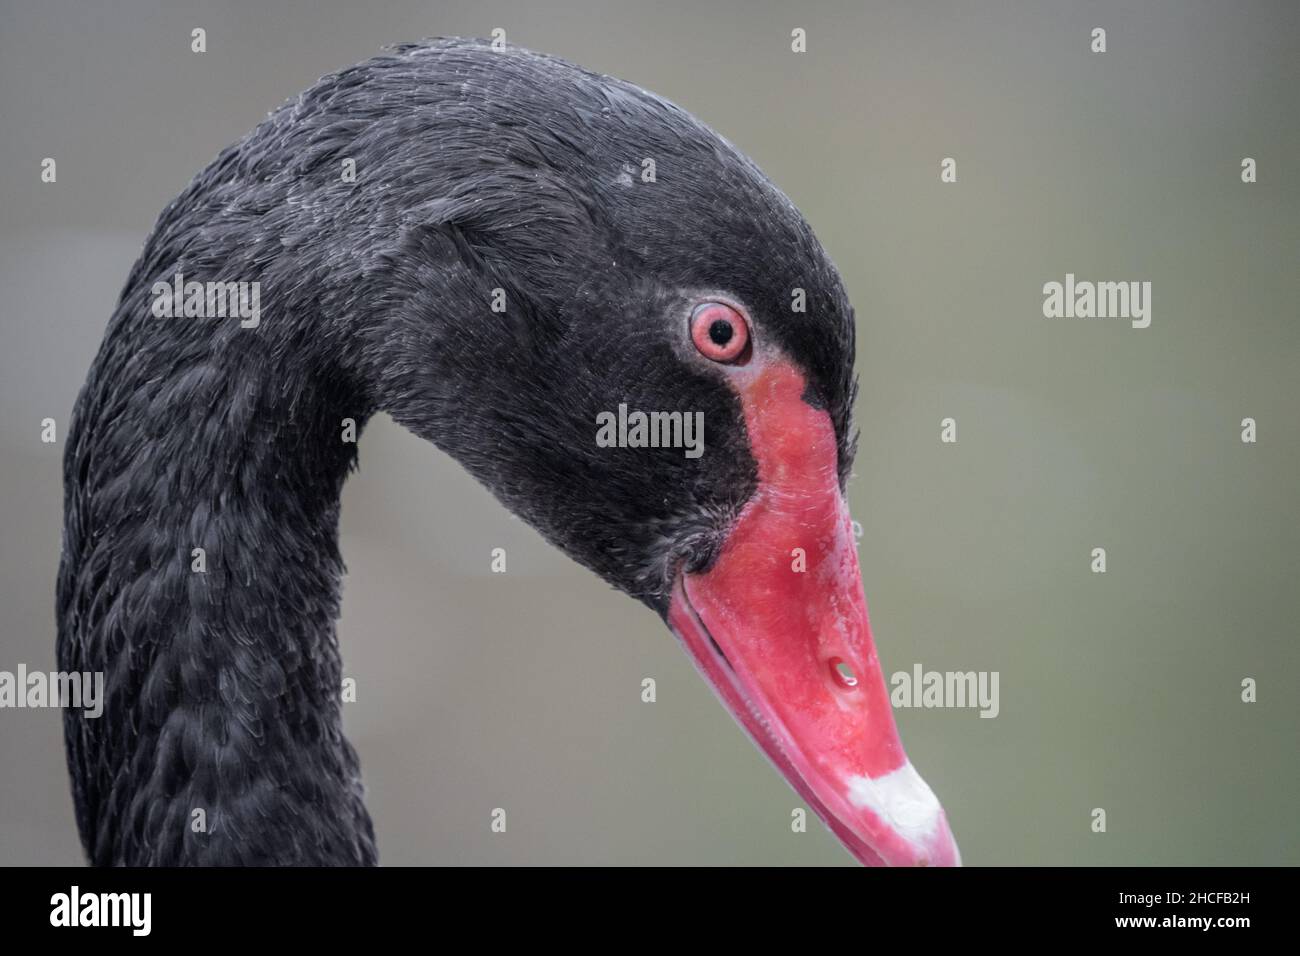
(522, 690)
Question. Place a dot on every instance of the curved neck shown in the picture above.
(200, 574)
(222, 684)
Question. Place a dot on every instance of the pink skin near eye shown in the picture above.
(719, 332)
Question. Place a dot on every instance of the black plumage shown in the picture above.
(476, 170)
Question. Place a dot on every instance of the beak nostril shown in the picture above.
(843, 673)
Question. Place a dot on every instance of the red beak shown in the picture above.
(778, 626)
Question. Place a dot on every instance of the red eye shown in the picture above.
(719, 332)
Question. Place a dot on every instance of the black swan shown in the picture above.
(523, 251)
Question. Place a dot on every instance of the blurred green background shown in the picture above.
(522, 690)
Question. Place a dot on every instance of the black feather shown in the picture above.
(476, 170)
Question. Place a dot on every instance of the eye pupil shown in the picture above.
(720, 333)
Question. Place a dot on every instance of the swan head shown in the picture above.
(620, 326)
